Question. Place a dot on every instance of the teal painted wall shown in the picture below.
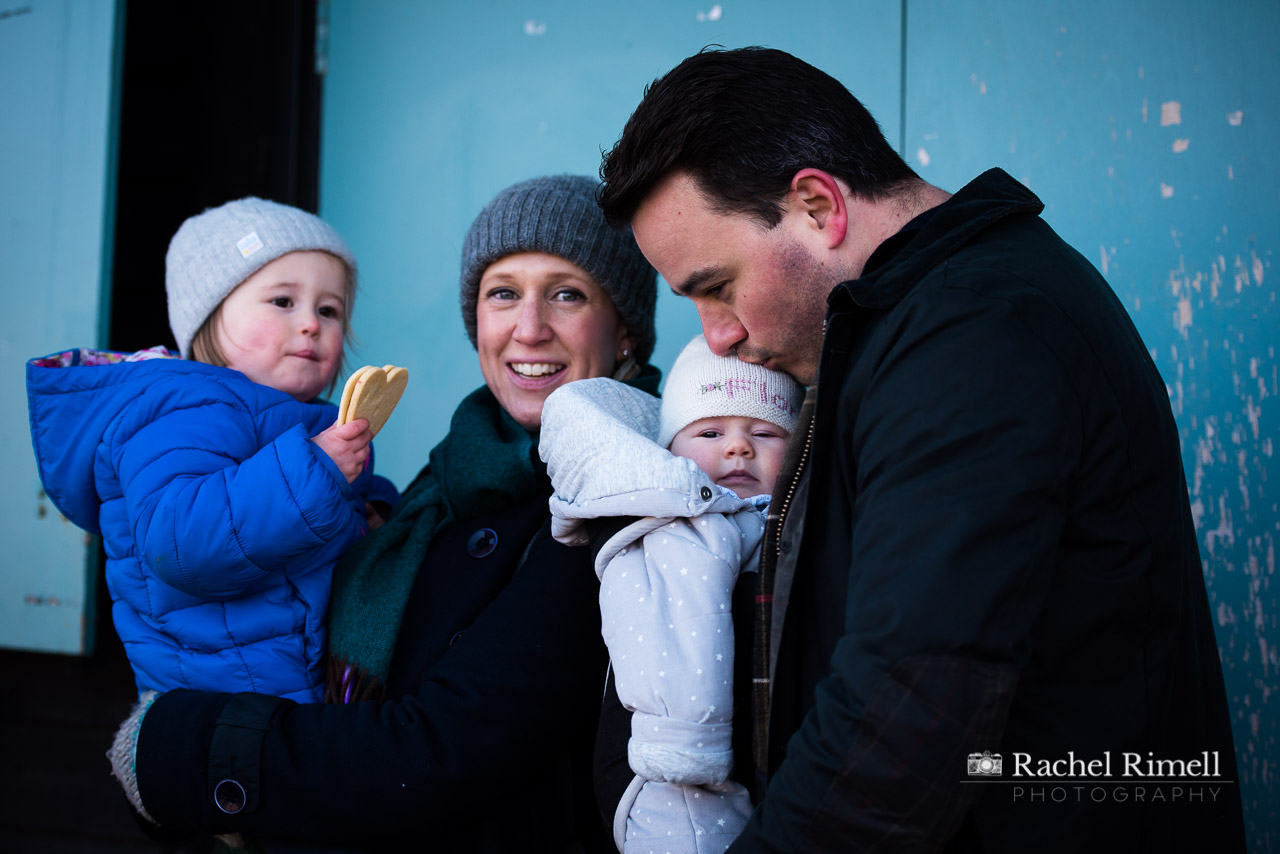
(1148, 130)
(1142, 126)
(56, 150)
(432, 108)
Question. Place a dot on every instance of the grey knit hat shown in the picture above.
(558, 215)
(213, 252)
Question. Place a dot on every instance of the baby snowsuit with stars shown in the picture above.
(666, 583)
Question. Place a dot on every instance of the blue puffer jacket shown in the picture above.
(221, 519)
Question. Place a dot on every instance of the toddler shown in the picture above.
(667, 578)
(222, 487)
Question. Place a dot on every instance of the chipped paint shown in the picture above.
(535, 28)
(1221, 372)
(922, 156)
(1166, 191)
(1170, 113)
(1182, 316)
(1180, 145)
(1236, 118)
(712, 14)
(48, 600)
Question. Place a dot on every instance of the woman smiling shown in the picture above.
(474, 633)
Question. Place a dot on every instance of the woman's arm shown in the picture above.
(499, 707)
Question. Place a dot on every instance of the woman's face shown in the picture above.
(541, 322)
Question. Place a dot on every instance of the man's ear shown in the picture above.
(819, 197)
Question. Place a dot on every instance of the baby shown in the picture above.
(742, 416)
(667, 578)
(222, 487)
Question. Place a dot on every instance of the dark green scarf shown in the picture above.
(486, 461)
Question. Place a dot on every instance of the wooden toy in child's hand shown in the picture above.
(371, 393)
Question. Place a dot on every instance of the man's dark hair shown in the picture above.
(742, 122)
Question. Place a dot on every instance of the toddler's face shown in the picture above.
(282, 327)
(739, 453)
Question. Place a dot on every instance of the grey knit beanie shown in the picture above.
(213, 252)
(704, 385)
(558, 215)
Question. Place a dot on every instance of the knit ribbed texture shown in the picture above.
(124, 752)
(559, 215)
(704, 385)
(215, 251)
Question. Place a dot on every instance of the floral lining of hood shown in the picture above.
(85, 357)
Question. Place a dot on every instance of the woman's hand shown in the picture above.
(347, 445)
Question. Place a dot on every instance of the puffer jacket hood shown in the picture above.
(71, 402)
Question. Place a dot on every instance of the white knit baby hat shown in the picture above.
(704, 385)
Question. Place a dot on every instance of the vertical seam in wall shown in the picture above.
(902, 87)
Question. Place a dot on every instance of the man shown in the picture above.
(981, 546)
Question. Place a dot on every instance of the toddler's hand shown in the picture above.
(347, 445)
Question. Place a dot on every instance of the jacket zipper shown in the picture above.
(791, 490)
(770, 554)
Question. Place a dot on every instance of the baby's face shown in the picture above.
(739, 453)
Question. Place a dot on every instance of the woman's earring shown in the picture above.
(625, 352)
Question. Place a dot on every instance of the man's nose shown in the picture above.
(721, 329)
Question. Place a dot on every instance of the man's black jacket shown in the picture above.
(990, 549)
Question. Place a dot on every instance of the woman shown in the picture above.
(479, 633)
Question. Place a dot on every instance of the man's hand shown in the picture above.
(347, 445)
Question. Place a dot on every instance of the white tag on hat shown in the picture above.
(249, 244)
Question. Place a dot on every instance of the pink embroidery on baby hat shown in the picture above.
(737, 386)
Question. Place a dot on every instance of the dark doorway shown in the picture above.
(217, 101)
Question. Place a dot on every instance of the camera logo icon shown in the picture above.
(985, 764)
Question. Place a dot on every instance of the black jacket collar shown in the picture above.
(902, 260)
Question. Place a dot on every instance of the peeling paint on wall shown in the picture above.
(1223, 390)
(40, 600)
(713, 14)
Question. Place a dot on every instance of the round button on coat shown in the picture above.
(706, 493)
(482, 542)
(229, 796)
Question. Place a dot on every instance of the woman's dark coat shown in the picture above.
(482, 745)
